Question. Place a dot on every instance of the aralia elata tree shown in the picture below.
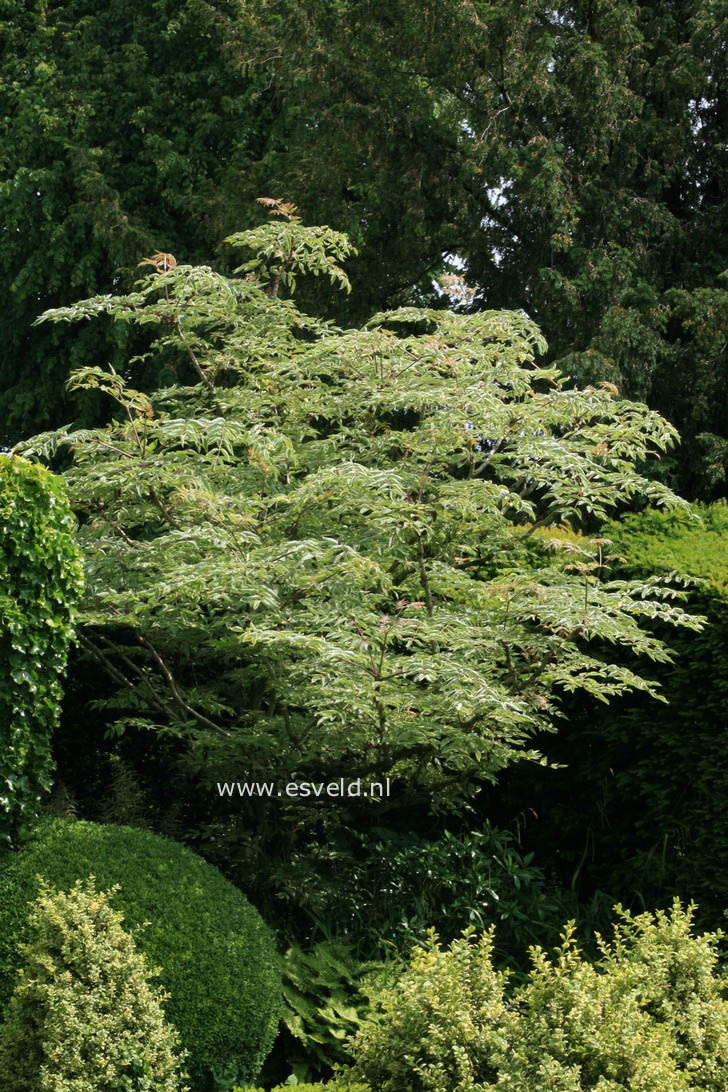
(321, 552)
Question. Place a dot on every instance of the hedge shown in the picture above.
(669, 789)
(217, 957)
(40, 583)
(637, 814)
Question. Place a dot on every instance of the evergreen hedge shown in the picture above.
(668, 792)
(637, 814)
(40, 582)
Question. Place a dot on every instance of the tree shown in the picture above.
(573, 159)
(312, 556)
(85, 1016)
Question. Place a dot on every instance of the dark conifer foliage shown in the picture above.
(573, 158)
(123, 129)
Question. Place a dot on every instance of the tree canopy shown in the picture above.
(574, 160)
(312, 553)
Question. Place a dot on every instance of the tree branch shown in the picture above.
(176, 692)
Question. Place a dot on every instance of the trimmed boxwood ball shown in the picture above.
(217, 957)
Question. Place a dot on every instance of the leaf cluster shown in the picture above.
(323, 1005)
(40, 584)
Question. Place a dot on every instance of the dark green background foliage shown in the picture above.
(639, 811)
(123, 130)
(397, 885)
(40, 583)
(217, 957)
(575, 159)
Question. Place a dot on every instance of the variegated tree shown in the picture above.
(317, 552)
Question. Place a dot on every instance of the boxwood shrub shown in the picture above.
(649, 1014)
(217, 957)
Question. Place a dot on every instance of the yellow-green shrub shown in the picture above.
(445, 1027)
(679, 981)
(650, 1015)
(85, 1016)
(579, 1027)
(341, 1085)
